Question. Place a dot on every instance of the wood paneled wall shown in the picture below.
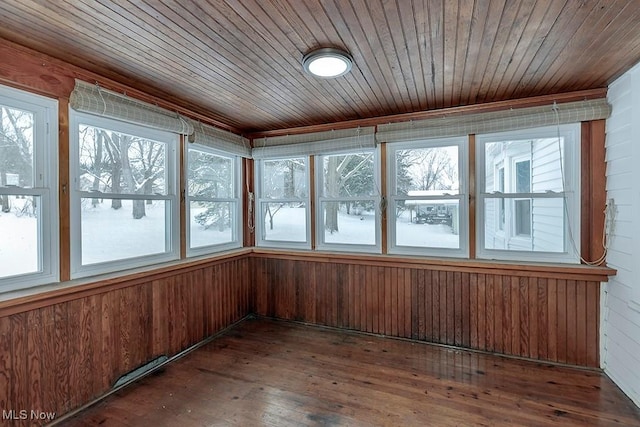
(546, 316)
(57, 357)
(59, 351)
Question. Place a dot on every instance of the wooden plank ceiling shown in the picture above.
(239, 60)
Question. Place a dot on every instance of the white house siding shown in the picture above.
(548, 214)
(621, 302)
(493, 238)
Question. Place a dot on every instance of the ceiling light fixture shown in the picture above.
(327, 62)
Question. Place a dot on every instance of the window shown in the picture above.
(427, 197)
(213, 201)
(528, 184)
(283, 202)
(28, 202)
(124, 208)
(348, 201)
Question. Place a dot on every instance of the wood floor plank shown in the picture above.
(265, 372)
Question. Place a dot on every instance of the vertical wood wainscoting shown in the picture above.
(59, 353)
(549, 314)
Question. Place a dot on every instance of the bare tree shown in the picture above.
(114, 160)
(280, 182)
(345, 176)
(16, 149)
(432, 169)
(118, 162)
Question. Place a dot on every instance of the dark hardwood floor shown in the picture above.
(276, 373)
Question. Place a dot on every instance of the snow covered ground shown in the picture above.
(289, 225)
(109, 234)
(19, 244)
(200, 236)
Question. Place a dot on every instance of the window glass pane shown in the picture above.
(531, 224)
(427, 171)
(19, 225)
(428, 223)
(211, 223)
(284, 179)
(349, 222)
(523, 217)
(285, 222)
(523, 177)
(16, 147)
(530, 165)
(113, 162)
(210, 175)
(349, 175)
(110, 230)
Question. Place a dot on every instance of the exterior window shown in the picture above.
(213, 201)
(28, 203)
(124, 204)
(283, 202)
(428, 203)
(527, 213)
(348, 199)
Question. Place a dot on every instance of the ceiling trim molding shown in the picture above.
(535, 101)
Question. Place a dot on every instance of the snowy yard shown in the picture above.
(19, 248)
(109, 234)
(424, 235)
(201, 236)
(289, 225)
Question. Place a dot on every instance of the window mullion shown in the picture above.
(19, 191)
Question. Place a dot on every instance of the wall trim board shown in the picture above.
(74, 290)
(550, 271)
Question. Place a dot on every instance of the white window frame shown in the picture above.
(45, 163)
(571, 196)
(320, 199)
(260, 200)
(172, 215)
(462, 197)
(236, 199)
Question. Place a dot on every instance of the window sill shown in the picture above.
(35, 297)
(511, 268)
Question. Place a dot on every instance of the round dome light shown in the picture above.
(327, 63)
